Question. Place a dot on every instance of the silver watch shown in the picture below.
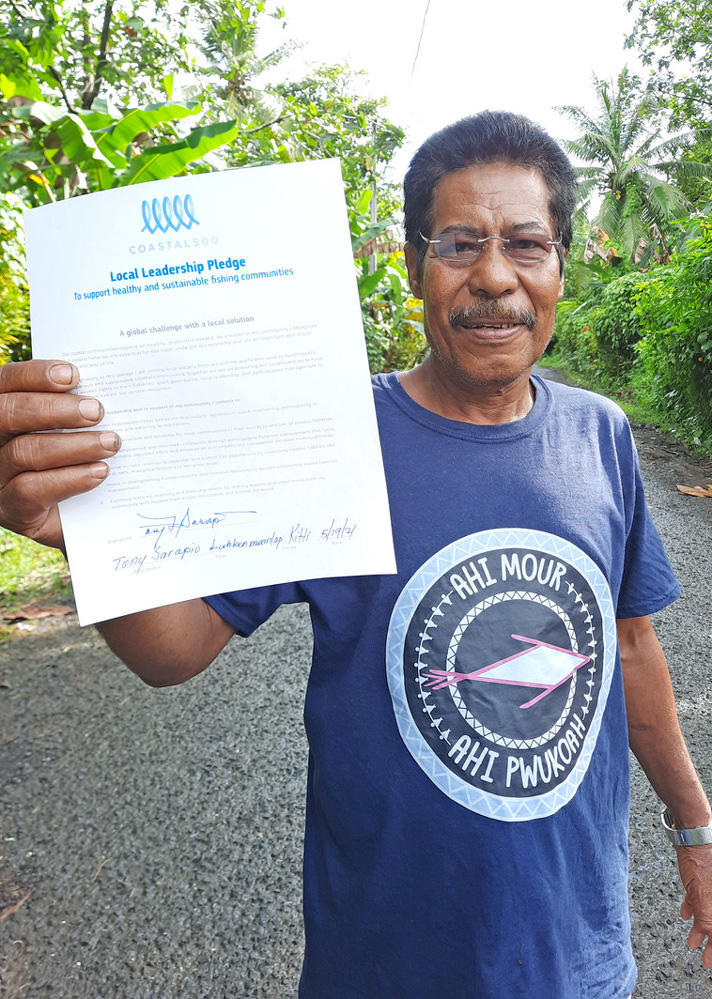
(698, 836)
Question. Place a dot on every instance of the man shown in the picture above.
(468, 779)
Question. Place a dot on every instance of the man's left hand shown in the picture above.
(695, 863)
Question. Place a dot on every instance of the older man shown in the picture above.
(468, 783)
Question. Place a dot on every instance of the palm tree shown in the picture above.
(629, 164)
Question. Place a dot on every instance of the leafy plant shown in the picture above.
(599, 337)
(393, 319)
(14, 295)
(632, 167)
(574, 337)
(617, 329)
(671, 37)
(674, 309)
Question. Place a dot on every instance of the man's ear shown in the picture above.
(411, 263)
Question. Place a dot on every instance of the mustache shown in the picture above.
(470, 314)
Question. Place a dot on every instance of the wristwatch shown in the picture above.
(698, 836)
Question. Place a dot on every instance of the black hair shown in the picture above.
(489, 137)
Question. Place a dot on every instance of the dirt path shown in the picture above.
(151, 840)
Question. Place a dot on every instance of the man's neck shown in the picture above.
(480, 404)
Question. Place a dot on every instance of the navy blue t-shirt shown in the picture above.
(467, 800)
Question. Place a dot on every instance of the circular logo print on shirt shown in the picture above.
(501, 650)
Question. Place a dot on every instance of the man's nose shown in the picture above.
(493, 273)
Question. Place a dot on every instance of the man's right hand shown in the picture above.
(39, 469)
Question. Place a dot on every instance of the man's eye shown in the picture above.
(528, 249)
(464, 246)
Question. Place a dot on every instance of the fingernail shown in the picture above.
(111, 442)
(99, 470)
(90, 409)
(62, 374)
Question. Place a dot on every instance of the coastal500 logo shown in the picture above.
(501, 650)
(162, 215)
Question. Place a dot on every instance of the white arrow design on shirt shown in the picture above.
(541, 665)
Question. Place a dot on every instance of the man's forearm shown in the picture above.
(653, 727)
(170, 644)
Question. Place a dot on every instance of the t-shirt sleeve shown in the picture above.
(649, 583)
(246, 610)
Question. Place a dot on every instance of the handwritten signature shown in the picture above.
(173, 524)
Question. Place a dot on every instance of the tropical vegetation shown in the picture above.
(108, 93)
(636, 318)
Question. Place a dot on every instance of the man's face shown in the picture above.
(479, 315)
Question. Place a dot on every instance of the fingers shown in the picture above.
(28, 504)
(38, 468)
(35, 395)
(698, 935)
(38, 376)
(41, 452)
(695, 940)
(28, 412)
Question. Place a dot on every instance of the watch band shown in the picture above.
(697, 836)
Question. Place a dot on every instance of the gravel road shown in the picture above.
(151, 839)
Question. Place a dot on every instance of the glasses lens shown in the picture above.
(457, 246)
(528, 248)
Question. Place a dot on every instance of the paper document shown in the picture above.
(217, 319)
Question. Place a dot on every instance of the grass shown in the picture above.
(31, 573)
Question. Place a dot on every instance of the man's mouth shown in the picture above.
(489, 326)
(473, 318)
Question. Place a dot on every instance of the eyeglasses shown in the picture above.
(463, 247)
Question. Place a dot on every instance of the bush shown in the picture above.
(392, 318)
(14, 295)
(598, 339)
(674, 370)
(575, 341)
(617, 329)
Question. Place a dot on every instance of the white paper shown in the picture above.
(238, 384)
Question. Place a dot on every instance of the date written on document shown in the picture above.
(338, 531)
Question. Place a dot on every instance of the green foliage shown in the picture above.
(586, 273)
(617, 329)
(54, 155)
(651, 335)
(14, 296)
(73, 52)
(324, 116)
(364, 140)
(674, 370)
(599, 337)
(574, 339)
(637, 173)
(671, 36)
(393, 319)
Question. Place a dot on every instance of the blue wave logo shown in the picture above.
(164, 215)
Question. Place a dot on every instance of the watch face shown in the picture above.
(501, 650)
